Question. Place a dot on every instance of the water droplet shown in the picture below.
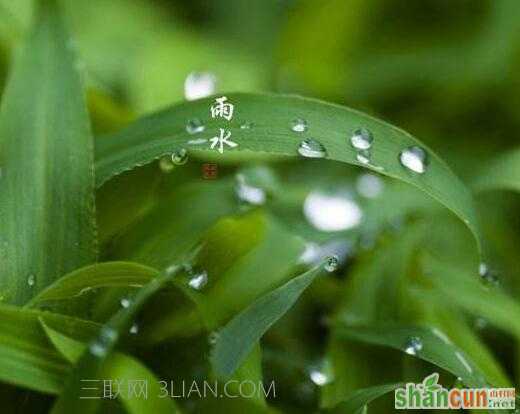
(413, 346)
(331, 212)
(31, 280)
(331, 263)
(299, 125)
(318, 377)
(213, 338)
(247, 125)
(310, 148)
(199, 85)
(487, 275)
(369, 185)
(107, 337)
(362, 139)
(363, 156)
(125, 302)
(166, 165)
(199, 280)
(180, 157)
(247, 193)
(134, 329)
(414, 158)
(194, 126)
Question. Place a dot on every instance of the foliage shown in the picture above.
(121, 261)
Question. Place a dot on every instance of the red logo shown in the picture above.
(209, 171)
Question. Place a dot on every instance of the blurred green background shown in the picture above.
(444, 70)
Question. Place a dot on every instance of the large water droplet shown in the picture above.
(369, 185)
(331, 263)
(125, 302)
(361, 139)
(413, 345)
(414, 158)
(199, 85)
(31, 280)
(198, 280)
(180, 157)
(247, 193)
(310, 148)
(299, 125)
(363, 156)
(330, 212)
(194, 126)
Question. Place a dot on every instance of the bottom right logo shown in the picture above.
(430, 394)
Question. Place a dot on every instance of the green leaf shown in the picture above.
(92, 360)
(271, 115)
(357, 400)
(121, 368)
(95, 276)
(493, 304)
(436, 347)
(27, 359)
(237, 338)
(46, 161)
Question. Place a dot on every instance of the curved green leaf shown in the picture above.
(46, 162)
(121, 368)
(271, 117)
(237, 338)
(91, 362)
(94, 276)
(27, 359)
(436, 347)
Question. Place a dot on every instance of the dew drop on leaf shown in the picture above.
(199, 85)
(413, 345)
(415, 159)
(299, 125)
(125, 302)
(198, 280)
(99, 347)
(31, 280)
(363, 156)
(310, 148)
(331, 263)
(213, 338)
(362, 139)
(194, 126)
(180, 157)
